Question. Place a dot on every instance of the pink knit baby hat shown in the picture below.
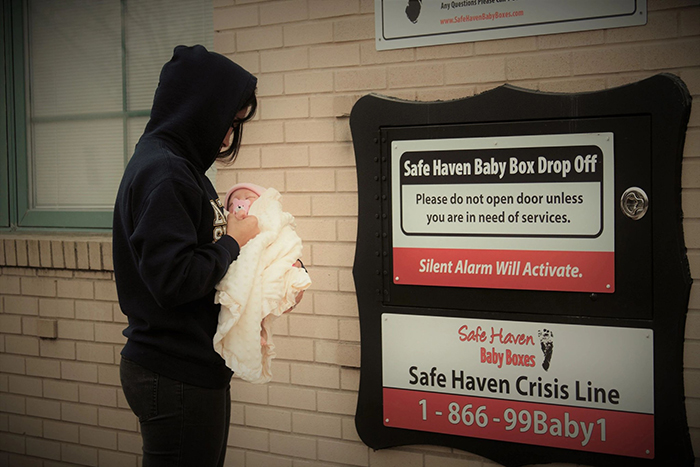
(257, 189)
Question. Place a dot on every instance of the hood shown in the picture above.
(198, 96)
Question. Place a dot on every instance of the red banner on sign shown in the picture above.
(577, 428)
(569, 271)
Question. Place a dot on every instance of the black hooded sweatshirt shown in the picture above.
(168, 246)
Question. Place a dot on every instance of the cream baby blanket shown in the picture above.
(257, 288)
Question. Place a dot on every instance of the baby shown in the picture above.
(260, 285)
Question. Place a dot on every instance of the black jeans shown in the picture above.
(181, 425)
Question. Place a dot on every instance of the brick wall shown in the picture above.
(60, 324)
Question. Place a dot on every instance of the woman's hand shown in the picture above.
(242, 230)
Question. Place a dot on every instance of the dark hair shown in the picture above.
(229, 155)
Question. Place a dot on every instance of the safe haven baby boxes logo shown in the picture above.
(503, 380)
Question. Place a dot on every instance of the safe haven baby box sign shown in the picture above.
(585, 388)
(520, 212)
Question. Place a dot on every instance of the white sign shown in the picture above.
(570, 386)
(416, 23)
(529, 212)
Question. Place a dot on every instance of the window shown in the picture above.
(79, 82)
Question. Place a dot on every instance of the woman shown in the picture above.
(171, 245)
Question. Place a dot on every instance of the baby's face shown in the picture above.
(241, 197)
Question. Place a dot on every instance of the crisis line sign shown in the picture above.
(531, 212)
(586, 388)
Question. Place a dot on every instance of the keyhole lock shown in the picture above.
(634, 203)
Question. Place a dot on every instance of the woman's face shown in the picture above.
(228, 139)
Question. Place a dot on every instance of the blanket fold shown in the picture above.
(257, 288)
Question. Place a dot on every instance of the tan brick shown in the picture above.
(9, 285)
(336, 155)
(43, 408)
(12, 443)
(335, 304)
(354, 29)
(293, 445)
(346, 180)
(61, 431)
(333, 254)
(21, 305)
(330, 8)
(257, 459)
(315, 229)
(435, 460)
(313, 82)
(116, 459)
(347, 230)
(76, 330)
(94, 275)
(39, 286)
(369, 55)
(292, 397)
(349, 330)
(314, 180)
(109, 374)
(506, 46)
(334, 205)
(342, 129)
(303, 34)
(284, 108)
(314, 424)
(95, 255)
(573, 85)
(57, 349)
(269, 418)
(605, 60)
(81, 455)
(438, 52)
(322, 106)
(82, 254)
(284, 12)
(344, 354)
(225, 42)
(10, 253)
(672, 54)
(33, 258)
(56, 308)
(11, 324)
(78, 371)
(22, 345)
(79, 413)
(236, 17)
(346, 283)
(106, 290)
(10, 403)
(130, 442)
(343, 403)
(116, 418)
(431, 74)
(61, 390)
(43, 448)
(313, 326)
(98, 395)
(692, 143)
(343, 451)
(242, 391)
(28, 426)
(25, 385)
(365, 79)
(571, 40)
(475, 71)
(23, 253)
(315, 375)
(297, 205)
(249, 438)
(93, 311)
(43, 367)
(542, 65)
(349, 379)
(689, 22)
(323, 278)
(660, 25)
(97, 437)
(76, 289)
(264, 132)
(109, 333)
(261, 38)
(308, 131)
(70, 255)
(288, 348)
(98, 353)
(295, 58)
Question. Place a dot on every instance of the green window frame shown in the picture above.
(16, 210)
